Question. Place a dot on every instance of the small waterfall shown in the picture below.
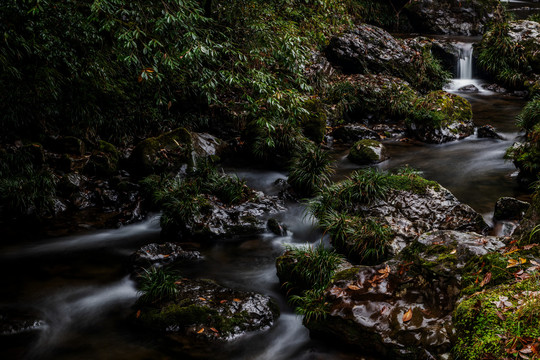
(465, 61)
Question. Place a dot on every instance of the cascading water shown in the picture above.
(465, 61)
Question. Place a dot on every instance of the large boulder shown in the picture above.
(204, 310)
(451, 17)
(164, 153)
(351, 133)
(163, 254)
(440, 117)
(366, 152)
(508, 208)
(402, 309)
(369, 49)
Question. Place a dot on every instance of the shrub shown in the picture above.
(157, 285)
(310, 171)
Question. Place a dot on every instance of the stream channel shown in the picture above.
(79, 285)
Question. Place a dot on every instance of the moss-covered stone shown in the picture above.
(163, 153)
(104, 160)
(367, 151)
(439, 117)
(495, 323)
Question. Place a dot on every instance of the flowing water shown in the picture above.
(79, 286)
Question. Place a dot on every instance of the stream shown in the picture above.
(79, 284)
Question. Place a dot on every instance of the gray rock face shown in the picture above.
(402, 309)
(410, 214)
(469, 89)
(450, 17)
(508, 208)
(163, 254)
(369, 49)
(207, 311)
(527, 34)
(366, 152)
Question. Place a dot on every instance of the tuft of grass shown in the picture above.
(311, 304)
(157, 285)
(311, 171)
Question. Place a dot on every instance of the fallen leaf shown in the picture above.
(138, 314)
(223, 301)
(202, 299)
(200, 331)
(214, 330)
(407, 316)
(500, 315)
(453, 252)
(486, 280)
(353, 287)
(237, 300)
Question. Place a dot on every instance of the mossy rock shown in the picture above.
(163, 153)
(367, 151)
(440, 117)
(221, 312)
(104, 160)
(314, 124)
(489, 323)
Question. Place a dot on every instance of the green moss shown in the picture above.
(486, 328)
(439, 109)
(347, 274)
(366, 152)
(166, 152)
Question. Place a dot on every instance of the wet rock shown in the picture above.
(164, 153)
(450, 17)
(223, 221)
(369, 49)
(440, 117)
(468, 89)
(508, 208)
(204, 310)
(163, 254)
(403, 309)
(494, 87)
(488, 131)
(351, 133)
(19, 324)
(275, 227)
(206, 145)
(366, 152)
(411, 213)
(447, 51)
(314, 124)
(71, 183)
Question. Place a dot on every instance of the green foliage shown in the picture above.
(157, 285)
(26, 186)
(362, 239)
(530, 115)
(312, 269)
(310, 171)
(502, 57)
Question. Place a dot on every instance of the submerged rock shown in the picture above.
(468, 89)
(488, 131)
(204, 310)
(450, 17)
(366, 152)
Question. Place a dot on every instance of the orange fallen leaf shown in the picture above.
(407, 316)
(138, 314)
(223, 301)
(214, 330)
(486, 280)
(353, 287)
(237, 300)
(201, 298)
(200, 331)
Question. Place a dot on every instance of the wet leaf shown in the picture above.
(237, 300)
(202, 299)
(407, 316)
(500, 315)
(223, 301)
(486, 280)
(138, 314)
(514, 262)
(353, 287)
(200, 331)
(214, 330)
(453, 252)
